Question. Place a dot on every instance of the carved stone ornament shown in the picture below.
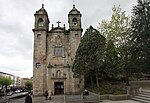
(58, 42)
(50, 66)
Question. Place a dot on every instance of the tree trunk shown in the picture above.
(97, 81)
(126, 69)
(127, 77)
(98, 87)
(6, 87)
(91, 81)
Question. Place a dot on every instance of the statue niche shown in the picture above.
(58, 74)
(58, 41)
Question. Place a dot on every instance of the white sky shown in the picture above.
(17, 22)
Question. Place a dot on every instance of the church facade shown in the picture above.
(54, 53)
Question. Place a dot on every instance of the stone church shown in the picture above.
(54, 53)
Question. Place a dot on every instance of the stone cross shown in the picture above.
(42, 3)
(58, 23)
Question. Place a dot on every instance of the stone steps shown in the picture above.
(143, 97)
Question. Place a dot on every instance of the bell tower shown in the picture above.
(74, 19)
(40, 30)
(75, 32)
(41, 20)
(75, 29)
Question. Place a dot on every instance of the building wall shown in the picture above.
(23, 81)
(12, 77)
(18, 81)
(49, 68)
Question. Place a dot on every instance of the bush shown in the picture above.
(117, 91)
(109, 89)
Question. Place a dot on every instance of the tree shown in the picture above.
(28, 85)
(90, 54)
(118, 31)
(141, 35)
(111, 61)
(5, 81)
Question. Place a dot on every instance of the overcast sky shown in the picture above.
(17, 22)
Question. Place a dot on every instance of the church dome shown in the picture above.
(74, 11)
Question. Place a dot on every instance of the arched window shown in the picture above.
(58, 74)
(39, 36)
(75, 21)
(40, 22)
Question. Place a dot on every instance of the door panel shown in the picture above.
(59, 88)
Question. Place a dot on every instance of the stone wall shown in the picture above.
(144, 84)
(54, 68)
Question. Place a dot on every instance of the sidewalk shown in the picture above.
(123, 101)
(55, 99)
(60, 99)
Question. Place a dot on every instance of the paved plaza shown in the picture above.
(55, 99)
(60, 99)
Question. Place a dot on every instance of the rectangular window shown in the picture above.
(38, 65)
(58, 52)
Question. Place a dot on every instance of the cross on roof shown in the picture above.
(58, 23)
(42, 3)
(73, 3)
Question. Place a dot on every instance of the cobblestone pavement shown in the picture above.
(60, 99)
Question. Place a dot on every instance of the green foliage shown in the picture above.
(90, 52)
(111, 60)
(117, 32)
(141, 35)
(90, 55)
(109, 89)
(5, 81)
(28, 85)
(117, 29)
